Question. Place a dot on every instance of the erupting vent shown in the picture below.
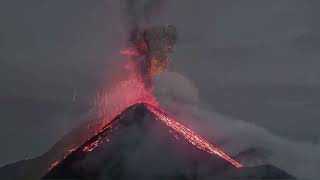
(119, 110)
(118, 139)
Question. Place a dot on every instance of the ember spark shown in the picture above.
(54, 164)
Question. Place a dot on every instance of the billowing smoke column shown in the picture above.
(140, 12)
(150, 49)
(149, 46)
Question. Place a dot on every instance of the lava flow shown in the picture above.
(191, 136)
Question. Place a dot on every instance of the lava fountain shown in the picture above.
(133, 91)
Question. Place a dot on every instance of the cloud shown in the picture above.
(178, 95)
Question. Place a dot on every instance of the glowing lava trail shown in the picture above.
(192, 137)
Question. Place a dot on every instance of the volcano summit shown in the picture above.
(136, 145)
(139, 145)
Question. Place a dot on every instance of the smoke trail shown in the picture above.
(140, 12)
(178, 96)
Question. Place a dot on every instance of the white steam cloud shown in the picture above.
(180, 97)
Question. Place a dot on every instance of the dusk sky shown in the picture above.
(254, 60)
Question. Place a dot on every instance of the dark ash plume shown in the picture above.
(140, 12)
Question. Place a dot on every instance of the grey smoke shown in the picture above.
(140, 12)
(180, 97)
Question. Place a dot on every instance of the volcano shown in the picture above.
(138, 145)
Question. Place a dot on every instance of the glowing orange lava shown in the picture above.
(125, 94)
(129, 52)
(54, 164)
(92, 146)
(192, 137)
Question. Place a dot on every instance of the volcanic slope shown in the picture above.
(137, 145)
